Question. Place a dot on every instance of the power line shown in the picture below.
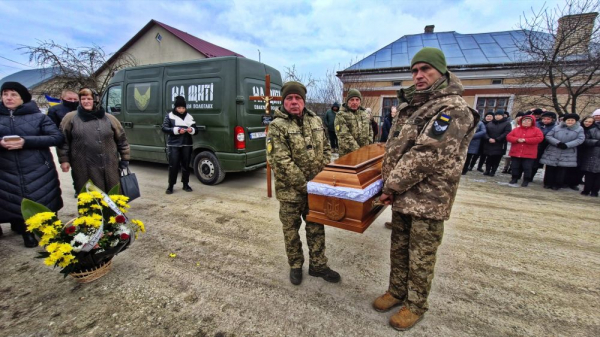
(4, 65)
(16, 62)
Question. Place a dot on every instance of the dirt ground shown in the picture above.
(513, 262)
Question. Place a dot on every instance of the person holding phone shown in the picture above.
(27, 168)
(179, 125)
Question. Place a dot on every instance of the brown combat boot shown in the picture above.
(388, 225)
(385, 302)
(404, 319)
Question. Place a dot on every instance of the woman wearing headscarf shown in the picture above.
(561, 152)
(180, 126)
(590, 159)
(26, 165)
(95, 146)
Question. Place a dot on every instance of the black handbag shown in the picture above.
(129, 184)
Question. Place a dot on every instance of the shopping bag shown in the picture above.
(129, 184)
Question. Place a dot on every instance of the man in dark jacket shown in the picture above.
(387, 124)
(330, 123)
(69, 102)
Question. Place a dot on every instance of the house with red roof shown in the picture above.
(157, 42)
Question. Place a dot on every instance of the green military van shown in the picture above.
(231, 127)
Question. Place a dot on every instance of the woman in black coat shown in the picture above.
(27, 168)
(495, 142)
(180, 126)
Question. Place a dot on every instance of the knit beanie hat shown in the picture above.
(19, 88)
(596, 113)
(433, 57)
(353, 93)
(500, 112)
(520, 114)
(337, 105)
(489, 113)
(537, 111)
(549, 114)
(571, 116)
(180, 102)
(293, 87)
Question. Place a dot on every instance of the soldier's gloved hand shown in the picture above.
(123, 164)
(562, 145)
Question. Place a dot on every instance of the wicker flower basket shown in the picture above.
(87, 276)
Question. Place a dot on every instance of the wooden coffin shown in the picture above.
(357, 170)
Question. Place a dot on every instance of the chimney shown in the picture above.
(574, 33)
(429, 29)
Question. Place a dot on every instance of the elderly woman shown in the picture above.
(95, 146)
(561, 152)
(26, 165)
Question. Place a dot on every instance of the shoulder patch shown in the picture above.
(269, 145)
(440, 125)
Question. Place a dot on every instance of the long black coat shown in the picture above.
(497, 130)
(29, 172)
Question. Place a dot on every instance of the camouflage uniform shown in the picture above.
(297, 150)
(353, 129)
(421, 169)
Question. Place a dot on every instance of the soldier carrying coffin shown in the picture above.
(421, 169)
(297, 150)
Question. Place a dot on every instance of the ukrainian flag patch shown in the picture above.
(441, 124)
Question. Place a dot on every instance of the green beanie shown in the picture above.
(433, 57)
(293, 87)
(353, 93)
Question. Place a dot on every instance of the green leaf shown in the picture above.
(83, 190)
(115, 190)
(30, 208)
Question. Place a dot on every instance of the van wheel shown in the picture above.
(207, 168)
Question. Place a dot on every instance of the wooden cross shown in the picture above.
(267, 99)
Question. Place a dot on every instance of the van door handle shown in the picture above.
(158, 125)
(127, 125)
(201, 127)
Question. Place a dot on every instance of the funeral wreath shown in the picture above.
(89, 241)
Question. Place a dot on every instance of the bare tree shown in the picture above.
(561, 57)
(76, 67)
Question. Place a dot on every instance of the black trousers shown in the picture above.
(179, 157)
(592, 182)
(482, 159)
(522, 166)
(573, 177)
(470, 162)
(333, 139)
(492, 163)
(554, 176)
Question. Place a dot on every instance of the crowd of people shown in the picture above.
(89, 142)
(568, 149)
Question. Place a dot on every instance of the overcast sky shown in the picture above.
(315, 36)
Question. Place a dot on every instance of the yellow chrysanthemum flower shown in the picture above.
(139, 224)
(112, 220)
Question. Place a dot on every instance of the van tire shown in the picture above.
(207, 168)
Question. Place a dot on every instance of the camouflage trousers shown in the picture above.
(412, 257)
(291, 215)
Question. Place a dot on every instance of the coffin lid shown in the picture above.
(357, 169)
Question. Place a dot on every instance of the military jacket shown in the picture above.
(297, 150)
(353, 129)
(426, 150)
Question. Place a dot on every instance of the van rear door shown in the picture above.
(252, 115)
(143, 116)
